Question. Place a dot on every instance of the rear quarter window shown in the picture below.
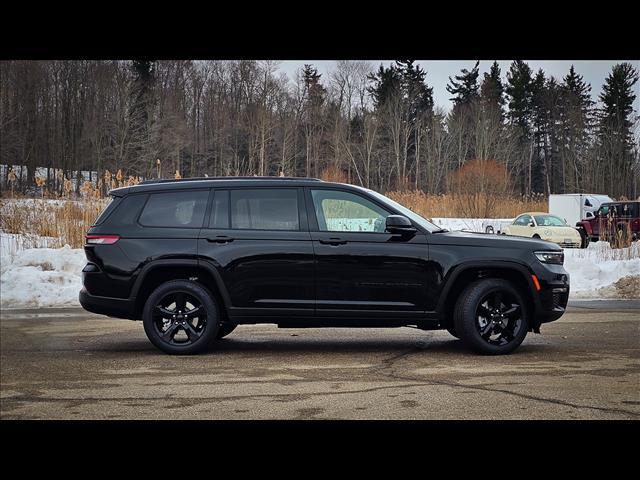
(175, 209)
(107, 210)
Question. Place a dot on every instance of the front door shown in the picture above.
(361, 270)
(258, 241)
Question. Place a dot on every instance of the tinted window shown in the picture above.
(220, 210)
(128, 210)
(265, 209)
(175, 209)
(339, 211)
(110, 207)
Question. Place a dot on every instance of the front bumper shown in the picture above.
(550, 302)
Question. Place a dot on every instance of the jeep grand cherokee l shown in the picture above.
(195, 258)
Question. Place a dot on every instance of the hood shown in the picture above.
(490, 240)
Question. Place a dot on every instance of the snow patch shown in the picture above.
(40, 277)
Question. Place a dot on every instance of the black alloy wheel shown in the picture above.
(498, 318)
(491, 316)
(181, 317)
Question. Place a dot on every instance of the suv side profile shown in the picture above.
(613, 220)
(195, 258)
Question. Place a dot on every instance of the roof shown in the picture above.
(537, 213)
(208, 182)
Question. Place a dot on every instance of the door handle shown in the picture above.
(220, 239)
(333, 241)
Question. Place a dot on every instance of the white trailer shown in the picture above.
(574, 207)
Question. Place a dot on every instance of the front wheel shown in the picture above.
(181, 317)
(491, 317)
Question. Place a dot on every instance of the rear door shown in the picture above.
(257, 238)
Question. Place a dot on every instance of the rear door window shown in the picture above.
(183, 209)
(265, 209)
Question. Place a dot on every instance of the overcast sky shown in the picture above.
(438, 72)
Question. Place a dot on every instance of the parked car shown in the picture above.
(546, 227)
(613, 220)
(195, 258)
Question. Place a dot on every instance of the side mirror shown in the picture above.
(399, 224)
(531, 224)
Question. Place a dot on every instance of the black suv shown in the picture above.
(195, 258)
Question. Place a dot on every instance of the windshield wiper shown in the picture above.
(442, 230)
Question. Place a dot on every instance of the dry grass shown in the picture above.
(457, 206)
(65, 222)
(62, 219)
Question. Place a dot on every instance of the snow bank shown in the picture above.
(596, 271)
(39, 277)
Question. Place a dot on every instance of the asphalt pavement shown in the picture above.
(69, 364)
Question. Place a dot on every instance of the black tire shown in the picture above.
(535, 235)
(167, 315)
(225, 329)
(584, 243)
(510, 313)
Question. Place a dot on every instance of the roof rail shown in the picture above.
(191, 179)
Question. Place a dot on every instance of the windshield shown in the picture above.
(423, 222)
(549, 221)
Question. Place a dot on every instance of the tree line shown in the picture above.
(375, 127)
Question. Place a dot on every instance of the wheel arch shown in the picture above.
(158, 272)
(464, 274)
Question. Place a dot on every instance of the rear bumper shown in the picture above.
(113, 307)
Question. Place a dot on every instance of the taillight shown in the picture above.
(102, 239)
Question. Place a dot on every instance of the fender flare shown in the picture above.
(197, 265)
(460, 268)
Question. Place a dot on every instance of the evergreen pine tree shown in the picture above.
(617, 149)
(492, 93)
(576, 119)
(519, 90)
(465, 86)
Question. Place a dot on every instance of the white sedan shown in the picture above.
(545, 226)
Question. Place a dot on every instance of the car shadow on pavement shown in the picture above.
(299, 344)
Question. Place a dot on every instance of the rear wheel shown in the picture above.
(181, 317)
(491, 317)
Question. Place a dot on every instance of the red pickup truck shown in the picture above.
(616, 222)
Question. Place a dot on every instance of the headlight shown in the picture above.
(556, 258)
